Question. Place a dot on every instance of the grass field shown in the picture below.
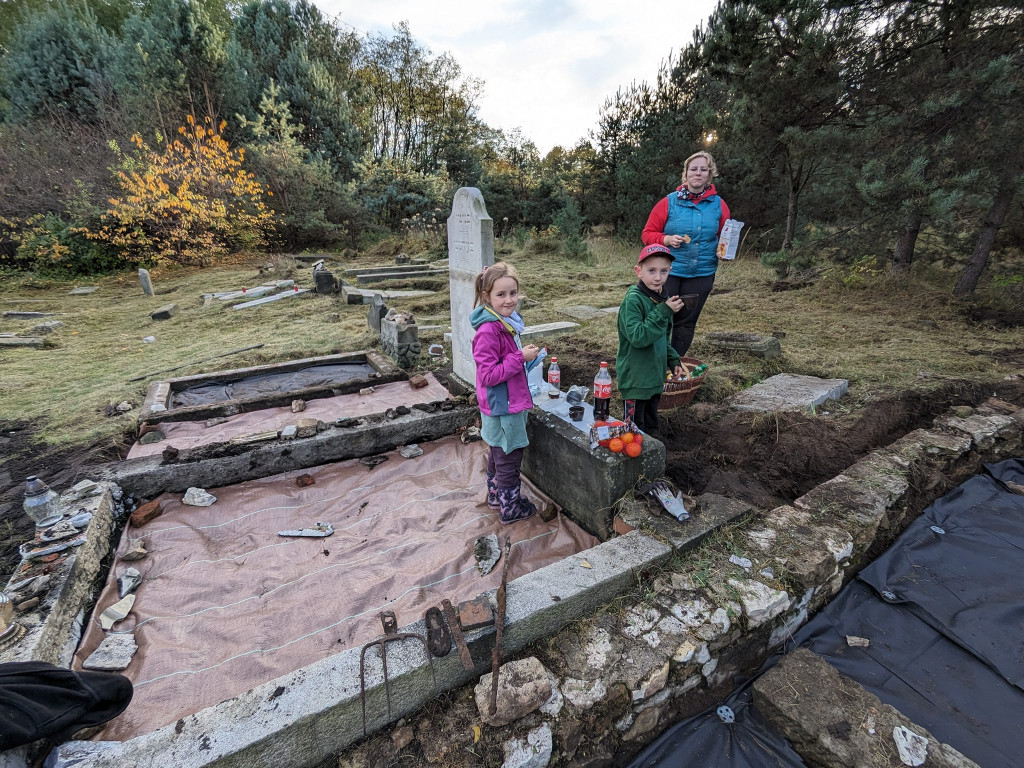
(874, 331)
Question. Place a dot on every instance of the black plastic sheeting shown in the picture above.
(271, 383)
(943, 609)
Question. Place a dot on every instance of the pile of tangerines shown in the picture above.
(629, 443)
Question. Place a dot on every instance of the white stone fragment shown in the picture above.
(532, 752)
(654, 683)
(912, 747)
(857, 642)
(692, 613)
(708, 668)
(653, 639)
(703, 655)
(198, 497)
(841, 549)
(760, 602)
(553, 706)
(598, 648)
(583, 693)
(113, 654)
(684, 653)
(742, 562)
(764, 538)
(640, 619)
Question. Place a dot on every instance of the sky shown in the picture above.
(547, 65)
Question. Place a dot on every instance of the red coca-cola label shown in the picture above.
(554, 379)
(603, 389)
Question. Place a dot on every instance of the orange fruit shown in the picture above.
(633, 450)
(628, 438)
(616, 445)
(638, 439)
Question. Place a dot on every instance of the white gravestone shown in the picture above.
(145, 282)
(470, 249)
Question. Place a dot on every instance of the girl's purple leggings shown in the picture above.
(504, 466)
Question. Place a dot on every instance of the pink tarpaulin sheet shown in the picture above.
(226, 604)
(191, 434)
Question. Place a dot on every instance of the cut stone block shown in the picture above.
(400, 340)
(755, 344)
(324, 282)
(789, 392)
(166, 312)
(548, 330)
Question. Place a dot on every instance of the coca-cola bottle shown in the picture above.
(602, 394)
(554, 379)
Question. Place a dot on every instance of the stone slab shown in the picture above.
(354, 295)
(388, 269)
(755, 344)
(275, 297)
(548, 330)
(15, 314)
(48, 327)
(35, 342)
(166, 312)
(83, 290)
(583, 312)
(789, 392)
(113, 654)
(409, 274)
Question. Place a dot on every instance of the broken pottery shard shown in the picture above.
(136, 550)
(113, 654)
(857, 642)
(411, 451)
(913, 748)
(128, 582)
(198, 497)
(117, 612)
(320, 531)
(487, 552)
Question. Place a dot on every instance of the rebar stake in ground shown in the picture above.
(390, 624)
(500, 624)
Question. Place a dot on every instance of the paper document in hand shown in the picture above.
(729, 241)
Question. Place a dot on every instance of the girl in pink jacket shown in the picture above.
(502, 391)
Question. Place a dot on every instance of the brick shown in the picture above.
(148, 511)
(476, 613)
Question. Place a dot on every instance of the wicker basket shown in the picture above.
(679, 393)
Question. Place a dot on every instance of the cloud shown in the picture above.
(547, 66)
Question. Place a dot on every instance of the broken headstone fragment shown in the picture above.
(136, 550)
(487, 553)
(81, 520)
(113, 654)
(319, 531)
(117, 612)
(742, 562)
(82, 290)
(128, 582)
(289, 432)
(411, 451)
(198, 497)
(58, 532)
(857, 642)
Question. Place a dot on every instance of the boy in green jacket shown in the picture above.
(645, 329)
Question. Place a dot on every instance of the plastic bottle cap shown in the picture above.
(554, 359)
(604, 365)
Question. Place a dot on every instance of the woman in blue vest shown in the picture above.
(688, 223)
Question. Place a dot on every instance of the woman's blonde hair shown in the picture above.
(711, 164)
(485, 280)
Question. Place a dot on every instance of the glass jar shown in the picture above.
(41, 503)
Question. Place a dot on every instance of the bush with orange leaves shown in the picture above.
(187, 204)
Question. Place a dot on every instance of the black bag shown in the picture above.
(39, 700)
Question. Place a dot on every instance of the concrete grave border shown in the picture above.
(156, 407)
